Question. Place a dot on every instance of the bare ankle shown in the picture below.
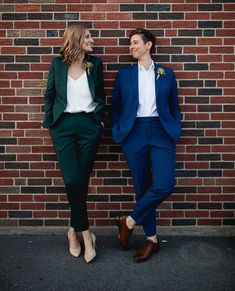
(152, 238)
(72, 231)
(130, 222)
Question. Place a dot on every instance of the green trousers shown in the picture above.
(75, 137)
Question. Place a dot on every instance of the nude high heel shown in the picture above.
(75, 252)
(89, 257)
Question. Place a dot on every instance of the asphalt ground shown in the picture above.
(42, 262)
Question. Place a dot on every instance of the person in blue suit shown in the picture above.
(146, 122)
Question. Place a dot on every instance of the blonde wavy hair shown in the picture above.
(72, 42)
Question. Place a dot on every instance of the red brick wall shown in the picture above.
(195, 38)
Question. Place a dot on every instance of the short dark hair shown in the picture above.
(146, 36)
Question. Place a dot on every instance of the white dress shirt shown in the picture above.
(147, 96)
(79, 97)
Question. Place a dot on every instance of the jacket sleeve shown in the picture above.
(99, 92)
(174, 101)
(49, 96)
(116, 100)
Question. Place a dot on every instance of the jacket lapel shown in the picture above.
(135, 80)
(62, 78)
(157, 82)
(91, 84)
(90, 79)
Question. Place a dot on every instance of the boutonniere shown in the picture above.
(87, 66)
(160, 72)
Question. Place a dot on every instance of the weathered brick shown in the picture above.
(145, 15)
(40, 16)
(209, 24)
(23, 41)
(6, 59)
(20, 214)
(183, 222)
(31, 222)
(14, 16)
(210, 7)
(196, 67)
(132, 7)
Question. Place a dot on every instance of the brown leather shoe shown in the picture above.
(124, 232)
(144, 252)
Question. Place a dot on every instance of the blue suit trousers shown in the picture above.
(150, 153)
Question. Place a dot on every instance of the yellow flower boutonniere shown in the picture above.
(87, 66)
(160, 72)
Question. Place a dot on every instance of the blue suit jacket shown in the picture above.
(125, 102)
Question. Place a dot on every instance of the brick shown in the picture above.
(183, 41)
(229, 41)
(222, 50)
(209, 58)
(188, 32)
(183, 222)
(20, 214)
(108, 25)
(55, 222)
(31, 222)
(222, 67)
(184, 205)
(46, 198)
(7, 92)
(211, 222)
(14, 16)
(209, 24)
(210, 7)
(209, 75)
(6, 59)
(165, 15)
(184, 7)
(196, 67)
(8, 50)
(132, 7)
(17, 67)
(224, 15)
(171, 214)
(228, 221)
(44, 214)
(199, 213)
(209, 206)
(39, 50)
(57, 206)
(55, 189)
(208, 157)
(209, 108)
(208, 32)
(26, 42)
(158, 7)
(229, 206)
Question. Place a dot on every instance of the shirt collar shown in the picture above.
(141, 68)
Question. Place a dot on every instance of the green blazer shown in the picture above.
(56, 91)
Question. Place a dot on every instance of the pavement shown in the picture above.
(42, 262)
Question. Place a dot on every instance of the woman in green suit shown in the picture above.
(74, 111)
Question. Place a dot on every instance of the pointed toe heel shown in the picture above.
(75, 252)
(92, 254)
